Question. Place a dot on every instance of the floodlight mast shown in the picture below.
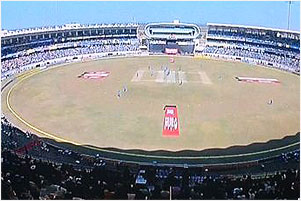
(289, 14)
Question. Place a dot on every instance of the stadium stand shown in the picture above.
(36, 168)
(262, 46)
(38, 46)
(67, 50)
(46, 171)
(171, 36)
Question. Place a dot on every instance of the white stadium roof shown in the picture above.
(252, 27)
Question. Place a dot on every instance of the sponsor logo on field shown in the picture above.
(171, 122)
(94, 75)
(257, 80)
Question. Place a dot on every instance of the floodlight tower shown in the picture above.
(289, 14)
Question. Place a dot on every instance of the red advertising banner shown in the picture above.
(28, 146)
(171, 51)
(171, 121)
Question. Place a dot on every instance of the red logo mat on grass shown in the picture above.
(94, 75)
(257, 80)
(171, 121)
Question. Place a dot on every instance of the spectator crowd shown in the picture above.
(288, 63)
(69, 49)
(45, 171)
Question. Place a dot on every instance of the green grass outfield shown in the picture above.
(218, 115)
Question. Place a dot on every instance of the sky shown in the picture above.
(28, 14)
